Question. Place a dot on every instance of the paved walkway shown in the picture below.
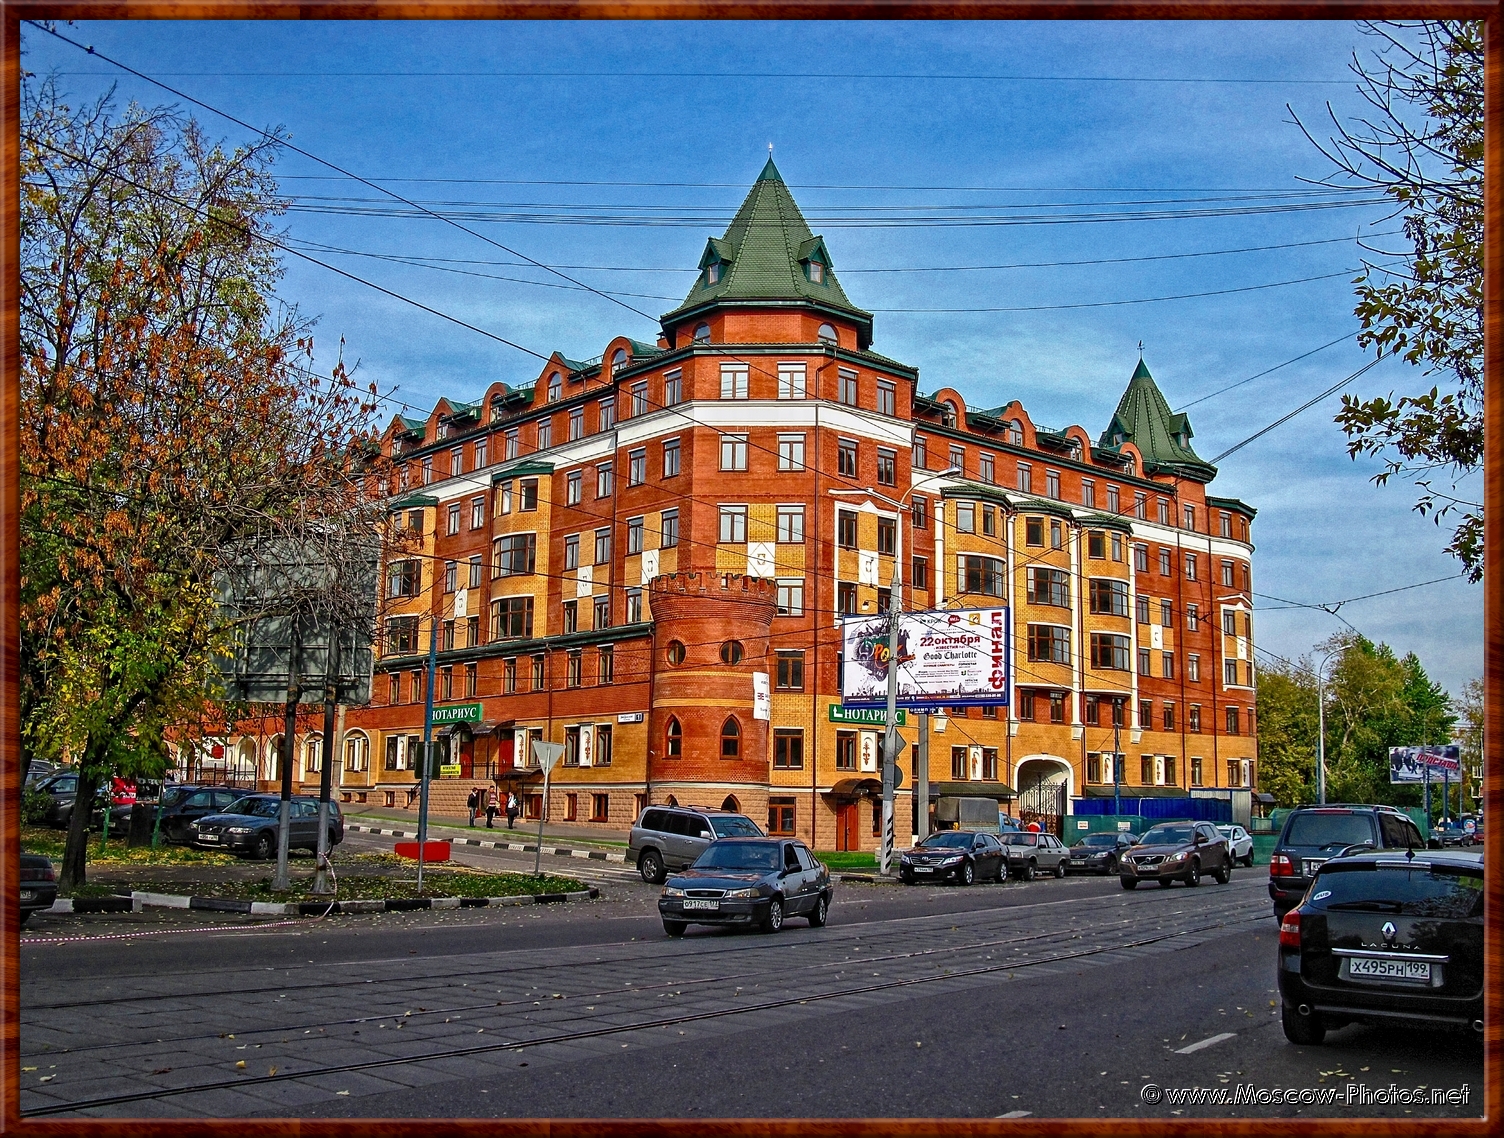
(553, 832)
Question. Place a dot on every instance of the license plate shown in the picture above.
(208, 837)
(694, 903)
(1389, 969)
(1310, 865)
(923, 869)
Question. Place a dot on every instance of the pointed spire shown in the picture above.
(1144, 418)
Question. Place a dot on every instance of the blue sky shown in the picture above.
(940, 146)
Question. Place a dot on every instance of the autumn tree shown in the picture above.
(1287, 724)
(1420, 142)
(169, 411)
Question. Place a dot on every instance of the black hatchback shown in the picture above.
(1312, 834)
(249, 826)
(1385, 937)
(745, 882)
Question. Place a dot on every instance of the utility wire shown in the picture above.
(1259, 375)
(1303, 407)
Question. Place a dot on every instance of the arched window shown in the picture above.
(357, 751)
(731, 652)
(950, 414)
(618, 360)
(673, 800)
(274, 758)
(731, 805)
(674, 737)
(731, 738)
(827, 333)
(676, 652)
(1015, 432)
(702, 333)
(555, 387)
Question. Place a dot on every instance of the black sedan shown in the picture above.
(181, 805)
(249, 826)
(962, 855)
(1385, 936)
(38, 885)
(744, 882)
(1445, 834)
(1099, 853)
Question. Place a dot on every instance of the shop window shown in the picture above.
(781, 815)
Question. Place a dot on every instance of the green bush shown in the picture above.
(34, 805)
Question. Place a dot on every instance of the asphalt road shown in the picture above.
(1055, 998)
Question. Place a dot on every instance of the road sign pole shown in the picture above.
(433, 658)
(890, 738)
(547, 755)
(289, 730)
(922, 776)
(331, 753)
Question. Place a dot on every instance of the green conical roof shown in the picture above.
(765, 255)
(1144, 418)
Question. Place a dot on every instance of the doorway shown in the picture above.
(846, 827)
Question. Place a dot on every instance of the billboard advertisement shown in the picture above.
(1409, 764)
(953, 658)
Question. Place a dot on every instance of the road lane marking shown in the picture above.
(1209, 1041)
(1017, 1114)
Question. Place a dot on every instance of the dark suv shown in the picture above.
(1314, 834)
(671, 837)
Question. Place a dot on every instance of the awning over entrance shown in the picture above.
(998, 790)
(521, 777)
(856, 788)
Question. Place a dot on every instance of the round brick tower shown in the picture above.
(710, 636)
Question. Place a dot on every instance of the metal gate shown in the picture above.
(1041, 798)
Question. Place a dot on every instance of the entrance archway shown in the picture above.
(731, 805)
(1044, 784)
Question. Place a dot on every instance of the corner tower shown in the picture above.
(1144, 418)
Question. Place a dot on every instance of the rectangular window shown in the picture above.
(604, 480)
(394, 688)
(887, 535)
(605, 414)
(539, 664)
(1224, 524)
(920, 459)
(529, 495)
(1230, 673)
(576, 423)
(602, 614)
(1108, 597)
(472, 631)
(452, 525)
(509, 676)
(1096, 545)
(600, 807)
(446, 682)
(571, 807)
(1057, 707)
(1192, 619)
(1056, 541)
(1169, 717)
(503, 499)
(480, 454)
(790, 671)
(673, 388)
(477, 512)
(791, 596)
(1164, 512)
(404, 578)
(451, 576)
(509, 442)
(639, 399)
(1143, 661)
(1227, 578)
(733, 452)
(1146, 715)
(1232, 720)
(511, 617)
(572, 551)
(921, 513)
(733, 526)
(1165, 568)
(989, 520)
(887, 467)
(401, 635)
(846, 597)
(476, 571)
(572, 482)
(983, 576)
(1049, 643)
(1141, 558)
(791, 381)
(668, 529)
(1167, 665)
(602, 546)
(922, 573)
(446, 638)
(1141, 505)
(733, 381)
(987, 468)
(1141, 609)
(1190, 566)
(791, 525)
(605, 671)
(958, 459)
(846, 529)
(1229, 622)
(1113, 501)
(571, 616)
(1193, 668)
(966, 517)
(1169, 762)
(781, 813)
(1109, 651)
(1091, 714)
(1146, 770)
(637, 467)
(1026, 704)
(790, 452)
(788, 749)
(427, 470)
(1025, 478)
(1048, 587)
(887, 398)
(989, 760)
(847, 392)
(1190, 517)
(670, 458)
(545, 434)
(634, 606)
(1034, 532)
(845, 750)
(846, 463)
(1052, 483)
(1117, 547)
(1088, 493)
(1166, 614)
(958, 764)
(634, 535)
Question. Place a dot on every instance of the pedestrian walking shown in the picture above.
(491, 807)
(474, 803)
(513, 809)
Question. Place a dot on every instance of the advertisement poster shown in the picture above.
(1408, 764)
(954, 658)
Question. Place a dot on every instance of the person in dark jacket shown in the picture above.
(473, 802)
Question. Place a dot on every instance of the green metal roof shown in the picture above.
(1162, 437)
(764, 253)
(1231, 504)
(1106, 521)
(411, 502)
(524, 467)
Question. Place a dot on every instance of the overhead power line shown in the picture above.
(1306, 406)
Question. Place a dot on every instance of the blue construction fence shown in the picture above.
(1156, 809)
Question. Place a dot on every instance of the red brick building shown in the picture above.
(640, 556)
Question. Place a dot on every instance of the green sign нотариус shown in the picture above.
(457, 713)
(867, 716)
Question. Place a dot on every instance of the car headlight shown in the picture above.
(670, 891)
(239, 829)
(1177, 857)
(1127, 862)
(750, 891)
(953, 860)
(903, 859)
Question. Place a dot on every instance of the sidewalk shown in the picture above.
(601, 836)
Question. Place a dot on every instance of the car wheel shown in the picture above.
(1112, 866)
(265, 847)
(650, 866)
(26, 915)
(1248, 860)
(1060, 869)
(674, 928)
(1224, 873)
(1193, 875)
(906, 878)
(1128, 882)
(966, 874)
(820, 913)
(1165, 883)
(1027, 873)
(1307, 1030)
(774, 920)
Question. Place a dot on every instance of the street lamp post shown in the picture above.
(891, 740)
(426, 773)
(1117, 773)
(1321, 727)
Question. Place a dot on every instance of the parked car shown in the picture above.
(1030, 853)
(1385, 936)
(249, 826)
(1313, 834)
(62, 789)
(672, 837)
(182, 804)
(1099, 853)
(965, 855)
(1241, 842)
(1177, 851)
(747, 881)
(1445, 834)
(38, 885)
(40, 770)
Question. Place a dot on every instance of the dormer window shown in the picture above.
(702, 333)
(1015, 432)
(827, 334)
(816, 272)
(496, 411)
(555, 387)
(618, 360)
(712, 272)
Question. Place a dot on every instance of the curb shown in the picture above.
(138, 901)
(590, 855)
(864, 878)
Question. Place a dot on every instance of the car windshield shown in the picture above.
(175, 794)
(947, 840)
(738, 855)
(257, 807)
(1169, 835)
(1328, 830)
(1441, 892)
(735, 826)
(1098, 840)
(1020, 839)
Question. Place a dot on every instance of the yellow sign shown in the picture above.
(449, 770)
